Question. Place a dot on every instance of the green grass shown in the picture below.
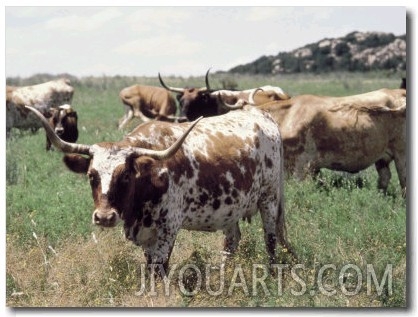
(336, 220)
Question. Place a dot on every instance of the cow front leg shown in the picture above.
(126, 118)
(232, 238)
(383, 169)
(400, 163)
(158, 257)
(48, 144)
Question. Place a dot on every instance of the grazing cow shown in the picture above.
(158, 182)
(196, 102)
(344, 133)
(42, 97)
(146, 102)
(64, 122)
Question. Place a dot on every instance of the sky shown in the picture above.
(180, 40)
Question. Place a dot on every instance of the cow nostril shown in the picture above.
(96, 218)
(112, 217)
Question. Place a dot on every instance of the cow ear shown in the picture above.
(72, 114)
(50, 113)
(147, 167)
(77, 163)
(143, 165)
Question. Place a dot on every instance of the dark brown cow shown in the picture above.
(403, 83)
(64, 122)
(42, 97)
(146, 102)
(158, 181)
(344, 133)
(196, 102)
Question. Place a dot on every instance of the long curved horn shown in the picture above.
(238, 105)
(164, 154)
(64, 146)
(175, 119)
(252, 94)
(207, 87)
(173, 89)
(207, 79)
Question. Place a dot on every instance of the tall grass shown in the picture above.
(56, 257)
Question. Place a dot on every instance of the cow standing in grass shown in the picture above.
(344, 133)
(146, 103)
(43, 97)
(64, 122)
(158, 181)
(196, 102)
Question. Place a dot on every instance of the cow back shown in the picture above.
(222, 168)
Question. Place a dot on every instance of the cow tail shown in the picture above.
(281, 221)
(281, 230)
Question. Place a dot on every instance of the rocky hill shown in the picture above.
(357, 51)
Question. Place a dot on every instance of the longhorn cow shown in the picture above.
(344, 133)
(158, 181)
(196, 102)
(146, 102)
(64, 122)
(43, 97)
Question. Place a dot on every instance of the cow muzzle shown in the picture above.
(59, 130)
(107, 218)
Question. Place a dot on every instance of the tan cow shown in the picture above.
(146, 102)
(43, 97)
(344, 133)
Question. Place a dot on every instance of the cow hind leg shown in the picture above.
(383, 169)
(269, 216)
(232, 238)
(273, 218)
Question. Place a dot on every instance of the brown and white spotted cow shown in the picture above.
(344, 133)
(158, 181)
(146, 102)
(42, 97)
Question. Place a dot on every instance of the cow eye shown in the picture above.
(92, 178)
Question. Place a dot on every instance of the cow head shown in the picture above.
(61, 117)
(195, 102)
(115, 171)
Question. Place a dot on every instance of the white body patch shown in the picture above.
(42, 97)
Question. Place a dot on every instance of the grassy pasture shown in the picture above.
(350, 239)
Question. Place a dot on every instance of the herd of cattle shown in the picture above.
(170, 173)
